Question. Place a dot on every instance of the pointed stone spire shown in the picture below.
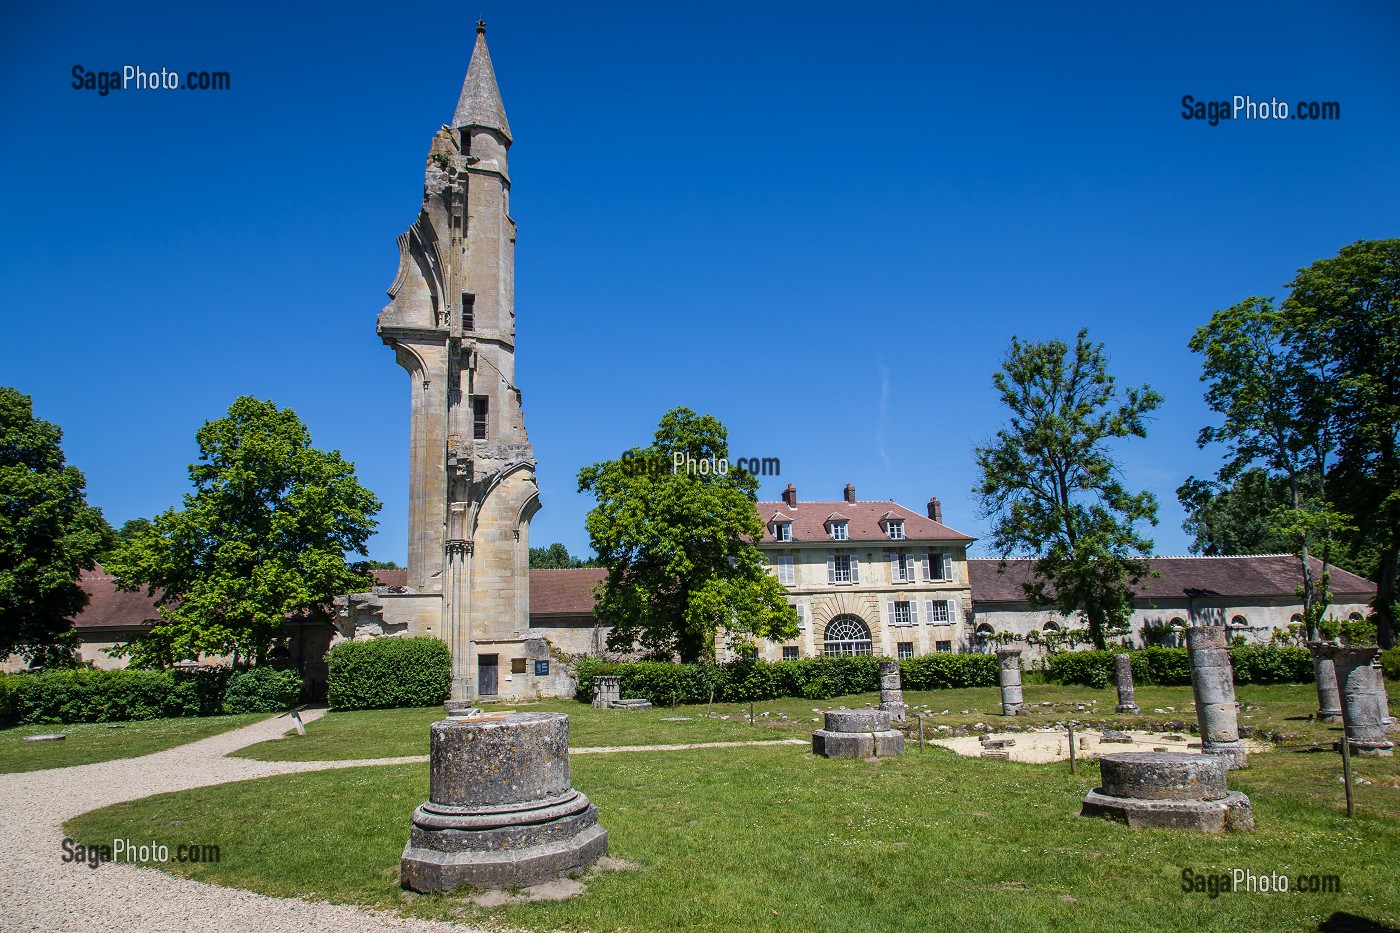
(480, 103)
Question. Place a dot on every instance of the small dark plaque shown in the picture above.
(541, 668)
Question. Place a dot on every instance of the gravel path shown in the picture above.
(43, 894)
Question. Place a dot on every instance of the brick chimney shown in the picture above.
(850, 492)
(935, 510)
(790, 496)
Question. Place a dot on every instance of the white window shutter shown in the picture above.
(894, 567)
(947, 566)
(913, 612)
(910, 573)
(801, 616)
(831, 568)
(855, 568)
(928, 611)
(953, 611)
(923, 559)
(889, 612)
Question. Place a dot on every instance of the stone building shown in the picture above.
(867, 577)
(1252, 596)
(472, 491)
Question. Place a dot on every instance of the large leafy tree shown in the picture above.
(1230, 519)
(1277, 406)
(263, 535)
(1050, 484)
(48, 534)
(557, 557)
(679, 545)
(1344, 312)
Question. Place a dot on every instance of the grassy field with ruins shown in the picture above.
(1280, 711)
(774, 838)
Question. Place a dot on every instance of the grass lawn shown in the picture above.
(1279, 709)
(90, 742)
(401, 732)
(776, 839)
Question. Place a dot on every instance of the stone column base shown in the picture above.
(1134, 709)
(453, 847)
(1233, 811)
(1232, 752)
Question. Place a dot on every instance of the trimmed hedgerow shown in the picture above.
(1170, 667)
(7, 700)
(86, 695)
(262, 690)
(818, 678)
(385, 673)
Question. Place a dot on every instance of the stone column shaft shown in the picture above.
(892, 690)
(1213, 684)
(1361, 705)
(1123, 674)
(1009, 662)
(1329, 701)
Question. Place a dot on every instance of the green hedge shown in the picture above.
(262, 690)
(384, 673)
(1390, 663)
(814, 678)
(89, 695)
(1169, 667)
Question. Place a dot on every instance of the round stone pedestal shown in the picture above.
(857, 733)
(1168, 789)
(501, 811)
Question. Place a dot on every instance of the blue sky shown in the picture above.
(818, 222)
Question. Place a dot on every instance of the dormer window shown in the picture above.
(895, 529)
(839, 531)
(782, 531)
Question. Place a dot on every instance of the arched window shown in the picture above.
(983, 631)
(1051, 626)
(1178, 622)
(846, 635)
(1239, 622)
(1355, 617)
(1295, 619)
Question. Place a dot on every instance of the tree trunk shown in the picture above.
(1384, 604)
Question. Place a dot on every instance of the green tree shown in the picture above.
(557, 557)
(1277, 407)
(376, 565)
(1227, 520)
(48, 534)
(1050, 484)
(264, 534)
(678, 544)
(1345, 312)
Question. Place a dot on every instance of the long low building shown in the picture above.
(851, 607)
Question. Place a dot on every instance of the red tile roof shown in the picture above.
(108, 607)
(1180, 577)
(809, 520)
(564, 592)
(390, 577)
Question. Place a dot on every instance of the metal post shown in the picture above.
(1346, 773)
(921, 732)
(711, 703)
(1073, 769)
(751, 712)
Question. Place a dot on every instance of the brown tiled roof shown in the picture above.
(1180, 577)
(564, 592)
(390, 577)
(809, 520)
(108, 607)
